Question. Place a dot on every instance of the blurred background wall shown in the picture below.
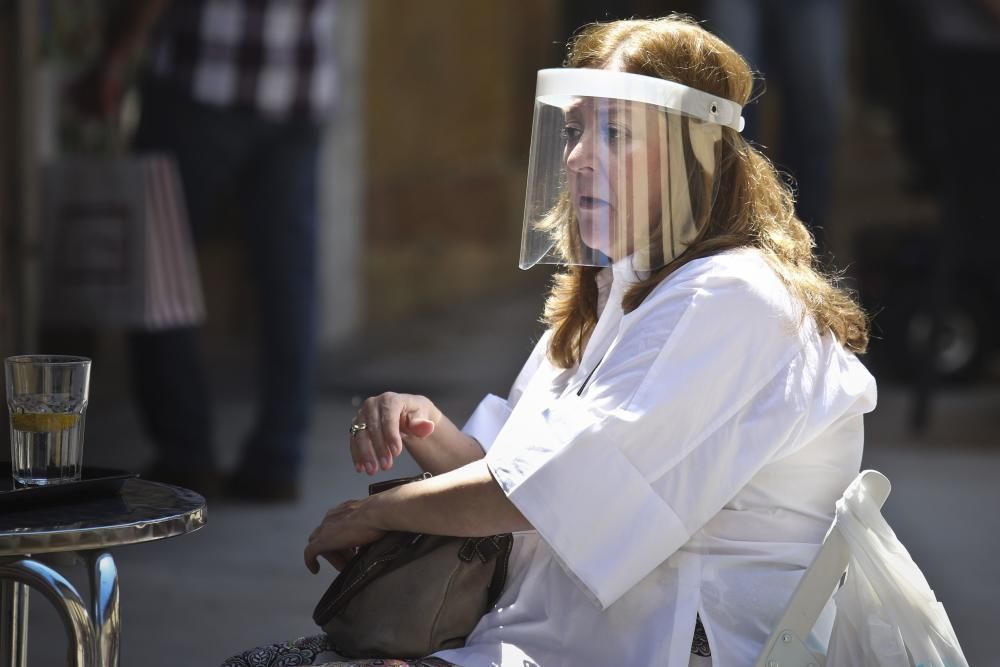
(18, 182)
(423, 165)
(423, 162)
(8, 162)
(449, 86)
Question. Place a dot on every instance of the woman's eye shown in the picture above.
(571, 132)
(615, 133)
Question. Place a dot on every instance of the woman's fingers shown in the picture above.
(322, 540)
(362, 453)
(391, 444)
(369, 441)
(365, 450)
(309, 555)
(340, 559)
(379, 443)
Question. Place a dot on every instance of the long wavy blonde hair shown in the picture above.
(754, 207)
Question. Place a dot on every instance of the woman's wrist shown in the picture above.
(375, 510)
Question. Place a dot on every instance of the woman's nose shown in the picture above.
(581, 155)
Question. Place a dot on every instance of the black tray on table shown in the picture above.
(93, 483)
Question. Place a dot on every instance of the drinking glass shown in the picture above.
(47, 399)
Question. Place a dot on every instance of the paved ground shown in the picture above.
(240, 581)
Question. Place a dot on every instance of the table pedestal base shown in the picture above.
(94, 636)
(104, 610)
(13, 623)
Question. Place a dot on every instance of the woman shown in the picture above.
(671, 453)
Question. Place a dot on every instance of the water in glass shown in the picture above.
(46, 433)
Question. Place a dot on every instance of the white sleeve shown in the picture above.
(487, 419)
(492, 412)
(688, 404)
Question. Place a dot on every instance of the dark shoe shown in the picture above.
(207, 482)
(259, 487)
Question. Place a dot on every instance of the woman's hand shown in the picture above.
(389, 419)
(343, 529)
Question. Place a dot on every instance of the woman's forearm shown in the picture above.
(466, 502)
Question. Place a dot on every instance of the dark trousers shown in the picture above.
(263, 172)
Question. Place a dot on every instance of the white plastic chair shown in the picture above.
(786, 647)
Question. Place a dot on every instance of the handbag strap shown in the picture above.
(504, 544)
(484, 547)
(379, 487)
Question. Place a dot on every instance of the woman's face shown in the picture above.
(613, 166)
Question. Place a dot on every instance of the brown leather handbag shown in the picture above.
(408, 595)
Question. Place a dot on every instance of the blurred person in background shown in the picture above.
(670, 455)
(237, 91)
(801, 46)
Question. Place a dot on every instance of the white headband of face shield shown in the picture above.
(558, 86)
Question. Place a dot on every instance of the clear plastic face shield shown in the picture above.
(621, 166)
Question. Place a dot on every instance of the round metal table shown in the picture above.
(143, 511)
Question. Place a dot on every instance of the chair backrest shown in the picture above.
(786, 647)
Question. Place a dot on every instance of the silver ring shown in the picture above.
(357, 428)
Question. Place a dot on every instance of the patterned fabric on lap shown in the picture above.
(306, 650)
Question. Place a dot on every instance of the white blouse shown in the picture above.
(694, 473)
